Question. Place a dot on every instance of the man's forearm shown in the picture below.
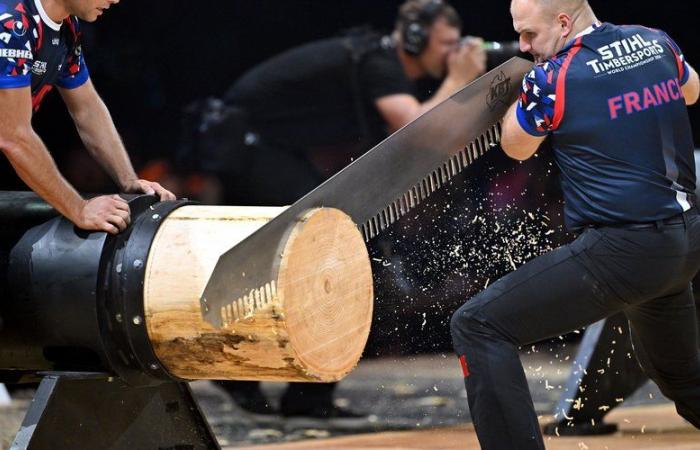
(98, 133)
(691, 90)
(400, 109)
(448, 87)
(97, 130)
(35, 166)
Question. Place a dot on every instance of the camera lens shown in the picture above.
(497, 52)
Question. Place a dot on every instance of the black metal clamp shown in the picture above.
(121, 315)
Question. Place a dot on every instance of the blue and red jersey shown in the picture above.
(37, 52)
(612, 103)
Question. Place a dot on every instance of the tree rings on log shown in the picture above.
(310, 323)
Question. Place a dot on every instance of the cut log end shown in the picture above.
(325, 289)
(310, 323)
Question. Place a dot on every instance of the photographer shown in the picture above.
(303, 115)
(296, 119)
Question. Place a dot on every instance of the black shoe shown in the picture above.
(330, 417)
(248, 397)
(325, 411)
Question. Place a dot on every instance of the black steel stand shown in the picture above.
(605, 372)
(91, 411)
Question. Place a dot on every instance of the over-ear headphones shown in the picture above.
(415, 33)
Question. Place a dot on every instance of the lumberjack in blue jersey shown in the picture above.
(612, 101)
(40, 48)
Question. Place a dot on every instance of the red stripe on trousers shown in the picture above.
(463, 362)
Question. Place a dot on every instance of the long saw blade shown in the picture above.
(379, 187)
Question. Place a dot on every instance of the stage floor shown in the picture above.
(655, 427)
(416, 402)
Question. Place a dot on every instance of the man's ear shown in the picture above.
(566, 24)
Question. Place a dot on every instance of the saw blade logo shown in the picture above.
(498, 93)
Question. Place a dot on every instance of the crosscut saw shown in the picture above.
(379, 187)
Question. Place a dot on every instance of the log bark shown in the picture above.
(309, 324)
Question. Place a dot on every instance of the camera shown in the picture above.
(497, 52)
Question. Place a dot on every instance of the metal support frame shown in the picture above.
(4, 396)
(76, 411)
(604, 375)
(605, 372)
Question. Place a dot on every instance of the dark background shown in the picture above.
(149, 58)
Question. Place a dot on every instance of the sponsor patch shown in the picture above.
(39, 68)
(625, 54)
(15, 53)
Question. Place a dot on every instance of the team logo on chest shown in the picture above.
(18, 25)
(39, 68)
(19, 29)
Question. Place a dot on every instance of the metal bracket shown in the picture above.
(122, 317)
(76, 411)
(608, 372)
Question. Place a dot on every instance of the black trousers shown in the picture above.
(644, 273)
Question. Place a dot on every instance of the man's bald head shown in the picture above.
(544, 26)
(555, 7)
(564, 5)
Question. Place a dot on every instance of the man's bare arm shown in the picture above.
(514, 140)
(400, 109)
(100, 136)
(35, 166)
(464, 66)
(691, 89)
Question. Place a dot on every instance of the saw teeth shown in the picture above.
(246, 306)
(432, 182)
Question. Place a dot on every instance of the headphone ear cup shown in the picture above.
(415, 38)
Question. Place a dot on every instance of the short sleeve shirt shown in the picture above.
(309, 96)
(611, 101)
(38, 53)
(383, 74)
(537, 101)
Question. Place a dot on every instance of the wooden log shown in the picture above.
(309, 324)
